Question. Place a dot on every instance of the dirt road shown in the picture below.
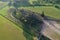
(51, 29)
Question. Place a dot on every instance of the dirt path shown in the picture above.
(51, 29)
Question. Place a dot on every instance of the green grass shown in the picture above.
(9, 31)
(49, 10)
(3, 8)
(4, 11)
(32, 1)
(3, 4)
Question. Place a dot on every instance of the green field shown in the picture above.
(9, 31)
(3, 8)
(4, 11)
(48, 10)
(32, 1)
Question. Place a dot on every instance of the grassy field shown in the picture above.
(3, 8)
(4, 11)
(3, 4)
(48, 10)
(9, 31)
(32, 1)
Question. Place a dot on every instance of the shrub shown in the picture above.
(57, 6)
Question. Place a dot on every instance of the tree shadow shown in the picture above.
(3, 7)
(32, 32)
(28, 34)
(51, 18)
(31, 29)
(35, 27)
(31, 24)
(44, 38)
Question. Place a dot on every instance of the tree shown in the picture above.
(16, 4)
(10, 3)
(30, 19)
(53, 1)
(42, 14)
(35, 3)
(57, 1)
(14, 12)
(25, 2)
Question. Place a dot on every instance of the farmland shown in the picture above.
(8, 30)
(48, 10)
(11, 31)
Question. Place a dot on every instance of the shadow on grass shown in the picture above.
(44, 38)
(51, 18)
(30, 31)
(3, 7)
(4, 0)
(28, 35)
(26, 31)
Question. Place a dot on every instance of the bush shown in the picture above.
(57, 6)
(35, 3)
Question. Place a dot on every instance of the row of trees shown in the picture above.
(19, 3)
(53, 1)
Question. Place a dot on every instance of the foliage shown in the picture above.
(35, 3)
(57, 6)
(48, 10)
(10, 3)
(9, 30)
(16, 4)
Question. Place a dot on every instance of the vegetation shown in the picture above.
(10, 31)
(57, 6)
(48, 10)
